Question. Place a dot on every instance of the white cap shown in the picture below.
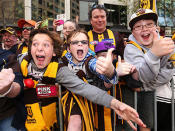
(142, 14)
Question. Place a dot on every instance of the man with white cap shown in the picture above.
(151, 56)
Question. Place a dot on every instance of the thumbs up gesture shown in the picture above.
(104, 65)
(124, 68)
(161, 47)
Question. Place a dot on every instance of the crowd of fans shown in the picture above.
(98, 72)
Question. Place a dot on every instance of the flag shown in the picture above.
(148, 4)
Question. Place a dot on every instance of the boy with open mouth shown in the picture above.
(83, 64)
(41, 65)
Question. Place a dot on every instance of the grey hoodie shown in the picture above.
(66, 78)
(153, 71)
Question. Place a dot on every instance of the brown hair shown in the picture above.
(75, 24)
(99, 7)
(57, 42)
(73, 33)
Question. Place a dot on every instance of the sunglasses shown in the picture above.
(84, 42)
(95, 6)
(27, 28)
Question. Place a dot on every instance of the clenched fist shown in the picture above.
(6, 79)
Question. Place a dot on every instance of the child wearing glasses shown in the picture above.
(81, 63)
(41, 66)
(153, 58)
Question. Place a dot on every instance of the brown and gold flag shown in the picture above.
(148, 4)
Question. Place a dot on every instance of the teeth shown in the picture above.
(40, 56)
(145, 35)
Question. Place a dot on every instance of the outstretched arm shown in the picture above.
(127, 113)
(66, 78)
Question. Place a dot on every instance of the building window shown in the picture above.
(73, 17)
(40, 11)
(84, 7)
(62, 4)
(57, 1)
(57, 10)
(49, 5)
(43, 2)
(49, 14)
(40, 2)
(117, 14)
(73, 5)
(73, 11)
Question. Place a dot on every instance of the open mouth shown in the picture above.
(40, 59)
(145, 36)
(79, 53)
(7, 40)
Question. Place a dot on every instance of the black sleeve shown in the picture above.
(119, 44)
(13, 63)
(130, 82)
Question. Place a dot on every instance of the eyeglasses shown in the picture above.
(84, 42)
(28, 28)
(140, 27)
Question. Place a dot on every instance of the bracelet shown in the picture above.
(3, 95)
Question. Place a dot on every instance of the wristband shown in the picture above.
(3, 95)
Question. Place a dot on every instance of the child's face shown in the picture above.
(78, 47)
(144, 35)
(102, 54)
(42, 50)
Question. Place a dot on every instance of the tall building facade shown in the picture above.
(119, 12)
(12, 10)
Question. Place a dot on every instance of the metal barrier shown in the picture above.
(114, 88)
(155, 107)
(135, 106)
(172, 103)
(60, 109)
(155, 113)
(135, 103)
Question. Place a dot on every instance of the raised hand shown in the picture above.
(124, 68)
(162, 47)
(127, 113)
(104, 64)
(6, 79)
(37, 24)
